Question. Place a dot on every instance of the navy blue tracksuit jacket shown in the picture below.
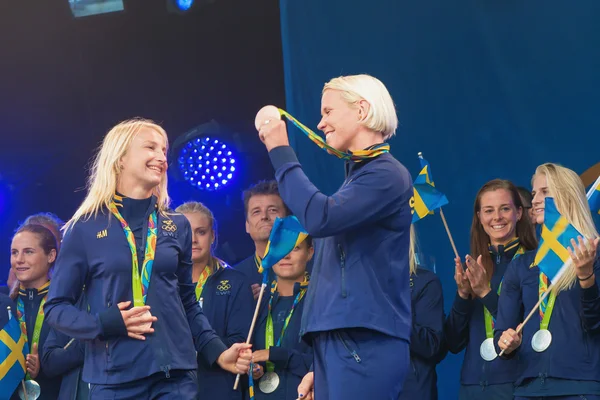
(95, 253)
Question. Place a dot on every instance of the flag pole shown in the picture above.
(533, 310)
(448, 232)
(260, 296)
(593, 187)
(420, 155)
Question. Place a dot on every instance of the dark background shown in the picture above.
(64, 82)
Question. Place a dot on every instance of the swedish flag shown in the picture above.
(425, 175)
(426, 197)
(556, 236)
(594, 200)
(13, 347)
(286, 234)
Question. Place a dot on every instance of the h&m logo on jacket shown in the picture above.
(169, 228)
(102, 234)
(224, 288)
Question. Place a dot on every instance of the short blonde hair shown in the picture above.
(102, 181)
(567, 189)
(382, 113)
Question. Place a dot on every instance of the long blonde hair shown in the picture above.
(567, 189)
(104, 173)
(412, 251)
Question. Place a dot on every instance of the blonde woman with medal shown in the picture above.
(133, 256)
(224, 295)
(281, 358)
(362, 255)
(33, 253)
(559, 348)
(500, 232)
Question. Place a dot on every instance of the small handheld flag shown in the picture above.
(286, 234)
(427, 198)
(552, 254)
(13, 348)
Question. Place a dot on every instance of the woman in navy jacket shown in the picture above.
(427, 346)
(123, 244)
(500, 232)
(283, 359)
(357, 310)
(33, 252)
(565, 364)
(224, 295)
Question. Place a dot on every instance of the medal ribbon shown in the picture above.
(206, 273)
(356, 156)
(269, 335)
(490, 322)
(39, 319)
(546, 306)
(257, 261)
(140, 280)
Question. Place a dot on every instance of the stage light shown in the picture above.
(203, 167)
(180, 6)
(184, 5)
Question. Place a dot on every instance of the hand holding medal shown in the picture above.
(271, 129)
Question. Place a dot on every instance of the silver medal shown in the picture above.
(32, 388)
(269, 382)
(541, 340)
(487, 350)
(147, 324)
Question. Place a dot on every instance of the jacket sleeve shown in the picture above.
(208, 344)
(348, 208)
(68, 280)
(240, 315)
(427, 335)
(590, 302)
(456, 326)
(295, 361)
(56, 361)
(509, 306)
(490, 301)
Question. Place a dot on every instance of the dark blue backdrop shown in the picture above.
(485, 89)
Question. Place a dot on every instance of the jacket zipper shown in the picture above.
(343, 267)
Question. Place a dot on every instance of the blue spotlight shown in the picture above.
(207, 163)
(184, 5)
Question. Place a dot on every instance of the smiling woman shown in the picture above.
(132, 255)
(499, 233)
(32, 255)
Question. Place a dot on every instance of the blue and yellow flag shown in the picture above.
(556, 236)
(426, 197)
(286, 234)
(594, 200)
(13, 347)
(425, 174)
